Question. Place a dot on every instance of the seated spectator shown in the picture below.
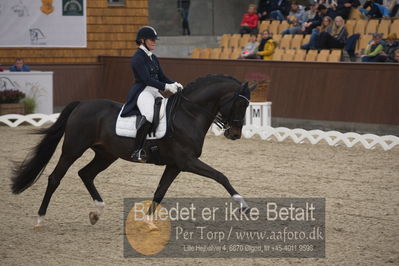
(350, 46)
(279, 9)
(326, 26)
(308, 26)
(249, 51)
(391, 45)
(312, 11)
(263, 9)
(296, 18)
(266, 47)
(249, 22)
(375, 46)
(392, 6)
(337, 38)
(372, 9)
(396, 58)
(343, 8)
(19, 66)
(326, 3)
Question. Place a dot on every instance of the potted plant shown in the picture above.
(10, 102)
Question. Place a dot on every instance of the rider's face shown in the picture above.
(150, 44)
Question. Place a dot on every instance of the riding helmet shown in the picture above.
(145, 33)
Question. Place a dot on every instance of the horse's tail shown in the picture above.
(31, 168)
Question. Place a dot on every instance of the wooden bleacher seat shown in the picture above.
(288, 55)
(323, 55)
(395, 27)
(224, 40)
(285, 42)
(350, 26)
(371, 26)
(205, 53)
(278, 54)
(196, 53)
(226, 53)
(234, 41)
(215, 53)
(360, 26)
(355, 14)
(235, 54)
(277, 38)
(311, 55)
(300, 55)
(296, 41)
(283, 26)
(335, 55)
(273, 28)
(384, 26)
(306, 39)
(363, 42)
(244, 40)
(264, 25)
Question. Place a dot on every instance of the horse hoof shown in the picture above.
(151, 226)
(93, 218)
(38, 227)
(246, 210)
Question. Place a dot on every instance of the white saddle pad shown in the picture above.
(126, 126)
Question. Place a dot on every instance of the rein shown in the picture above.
(221, 122)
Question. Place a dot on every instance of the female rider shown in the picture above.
(149, 80)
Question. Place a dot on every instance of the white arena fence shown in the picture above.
(258, 122)
(332, 138)
(37, 120)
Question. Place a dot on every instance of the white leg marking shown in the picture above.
(100, 206)
(240, 199)
(40, 221)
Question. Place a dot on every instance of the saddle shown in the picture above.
(127, 126)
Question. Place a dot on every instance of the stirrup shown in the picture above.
(139, 156)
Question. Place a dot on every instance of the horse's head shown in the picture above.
(232, 113)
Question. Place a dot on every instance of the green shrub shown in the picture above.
(30, 105)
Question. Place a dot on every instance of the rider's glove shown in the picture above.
(179, 85)
(171, 87)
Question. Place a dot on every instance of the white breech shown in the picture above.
(146, 100)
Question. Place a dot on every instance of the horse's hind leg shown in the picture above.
(100, 162)
(54, 180)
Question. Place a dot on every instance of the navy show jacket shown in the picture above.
(146, 72)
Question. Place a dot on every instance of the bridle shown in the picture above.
(228, 121)
(222, 121)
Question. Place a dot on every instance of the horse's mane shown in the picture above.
(208, 79)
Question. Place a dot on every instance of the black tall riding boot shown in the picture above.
(139, 153)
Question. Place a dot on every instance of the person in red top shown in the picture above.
(249, 22)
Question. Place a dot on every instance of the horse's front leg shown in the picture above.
(198, 167)
(169, 174)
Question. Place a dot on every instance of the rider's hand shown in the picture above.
(179, 85)
(171, 88)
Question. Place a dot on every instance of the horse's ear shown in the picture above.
(244, 85)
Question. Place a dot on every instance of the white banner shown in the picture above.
(43, 23)
(35, 84)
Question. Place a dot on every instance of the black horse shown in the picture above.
(91, 124)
